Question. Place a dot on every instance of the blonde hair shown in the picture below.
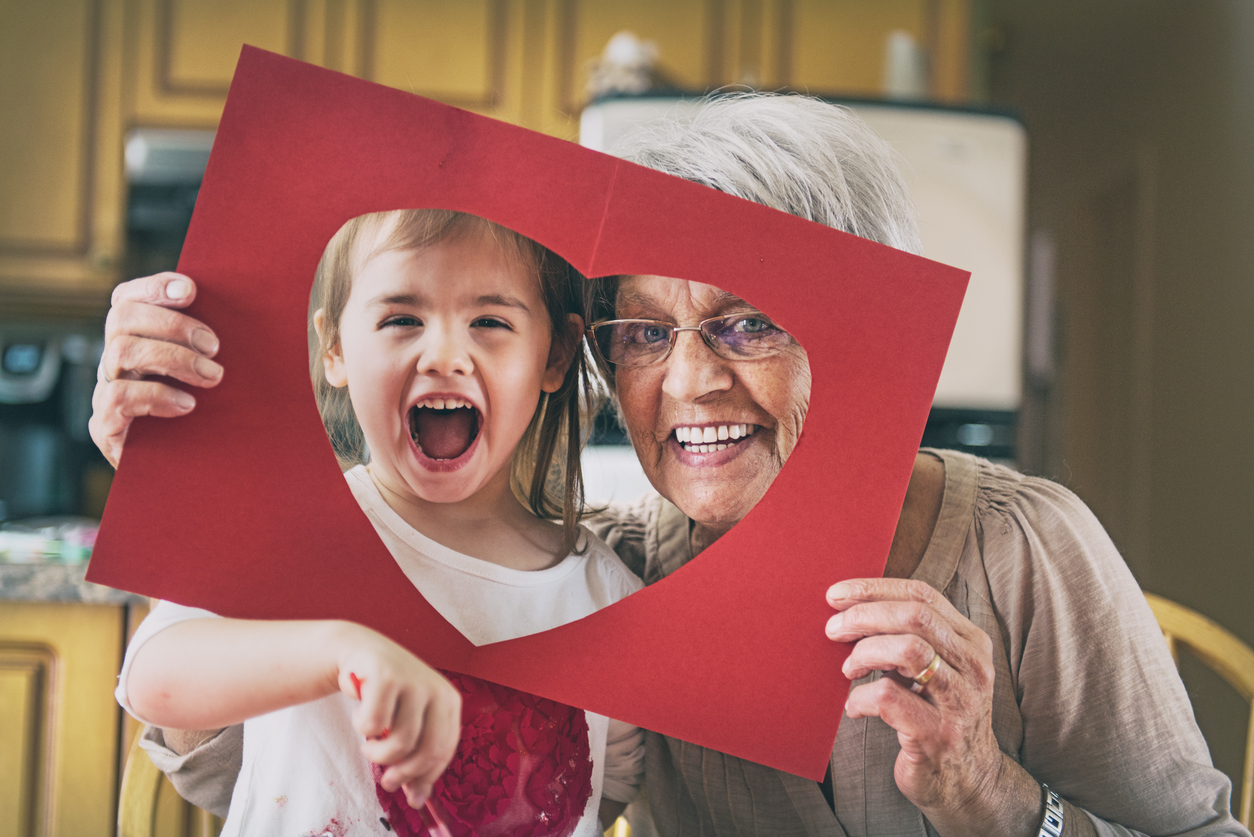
(545, 472)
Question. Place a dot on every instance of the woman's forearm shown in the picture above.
(210, 673)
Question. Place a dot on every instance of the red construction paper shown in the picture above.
(240, 507)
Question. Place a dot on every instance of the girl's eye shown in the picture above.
(402, 321)
(490, 322)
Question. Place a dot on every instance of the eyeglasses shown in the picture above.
(743, 336)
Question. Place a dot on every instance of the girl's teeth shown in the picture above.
(444, 403)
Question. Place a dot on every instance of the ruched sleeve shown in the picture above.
(1106, 721)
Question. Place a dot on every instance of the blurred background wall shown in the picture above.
(1141, 118)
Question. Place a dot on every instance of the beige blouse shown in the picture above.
(1086, 698)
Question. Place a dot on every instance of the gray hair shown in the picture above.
(794, 153)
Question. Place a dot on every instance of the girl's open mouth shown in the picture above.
(444, 429)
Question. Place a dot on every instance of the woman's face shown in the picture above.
(673, 405)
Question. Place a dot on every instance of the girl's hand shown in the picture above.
(409, 715)
(146, 336)
(950, 766)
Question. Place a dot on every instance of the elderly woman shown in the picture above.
(1043, 700)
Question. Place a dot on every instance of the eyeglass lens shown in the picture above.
(733, 337)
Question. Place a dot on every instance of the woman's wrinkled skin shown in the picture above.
(950, 766)
(694, 387)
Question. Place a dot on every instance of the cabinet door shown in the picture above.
(60, 155)
(465, 53)
(59, 724)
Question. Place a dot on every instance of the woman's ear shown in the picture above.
(332, 359)
(562, 353)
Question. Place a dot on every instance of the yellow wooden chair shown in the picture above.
(1227, 656)
(148, 805)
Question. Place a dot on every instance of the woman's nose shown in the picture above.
(693, 370)
(442, 353)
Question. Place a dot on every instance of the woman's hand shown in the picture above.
(409, 714)
(950, 766)
(145, 335)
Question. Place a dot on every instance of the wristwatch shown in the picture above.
(1051, 822)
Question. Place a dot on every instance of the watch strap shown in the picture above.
(1051, 822)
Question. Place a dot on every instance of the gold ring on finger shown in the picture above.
(924, 677)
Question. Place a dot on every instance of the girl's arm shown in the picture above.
(207, 673)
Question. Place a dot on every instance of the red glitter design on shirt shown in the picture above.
(522, 768)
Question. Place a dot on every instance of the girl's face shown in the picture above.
(445, 352)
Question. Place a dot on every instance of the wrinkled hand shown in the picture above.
(409, 714)
(145, 336)
(949, 766)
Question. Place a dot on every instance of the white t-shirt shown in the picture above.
(303, 772)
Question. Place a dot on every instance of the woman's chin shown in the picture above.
(716, 489)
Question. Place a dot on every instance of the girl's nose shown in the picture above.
(693, 371)
(443, 354)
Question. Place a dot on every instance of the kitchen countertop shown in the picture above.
(58, 583)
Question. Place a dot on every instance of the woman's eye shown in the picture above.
(752, 325)
(652, 334)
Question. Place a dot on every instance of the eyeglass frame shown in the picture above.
(673, 330)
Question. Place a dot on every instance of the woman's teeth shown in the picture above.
(711, 439)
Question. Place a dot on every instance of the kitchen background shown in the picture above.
(1124, 160)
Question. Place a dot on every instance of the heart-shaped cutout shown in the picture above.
(240, 507)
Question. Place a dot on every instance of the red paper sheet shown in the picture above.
(240, 507)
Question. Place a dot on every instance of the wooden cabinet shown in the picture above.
(524, 60)
(61, 182)
(59, 725)
(76, 74)
(465, 53)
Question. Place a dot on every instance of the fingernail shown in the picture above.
(183, 401)
(840, 590)
(206, 368)
(833, 624)
(204, 342)
(178, 289)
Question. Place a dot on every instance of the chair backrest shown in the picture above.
(1227, 656)
(137, 805)
(148, 805)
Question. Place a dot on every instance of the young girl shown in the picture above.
(445, 353)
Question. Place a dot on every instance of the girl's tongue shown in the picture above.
(443, 434)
